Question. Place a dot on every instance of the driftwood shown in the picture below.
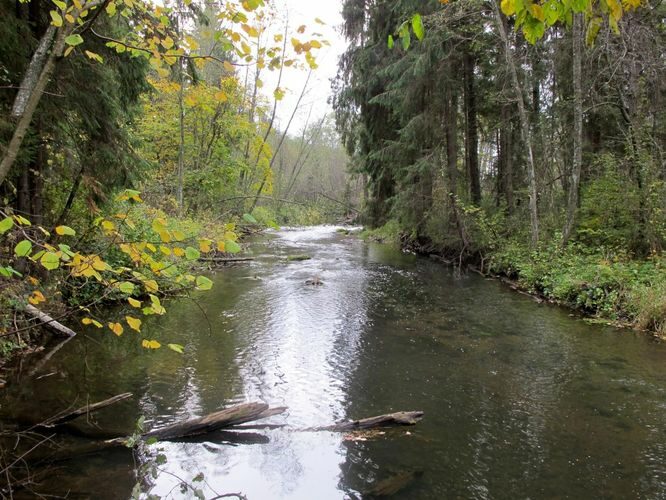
(228, 417)
(48, 321)
(389, 420)
(84, 410)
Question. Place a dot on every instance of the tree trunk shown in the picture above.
(34, 83)
(471, 130)
(574, 185)
(506, 156)
(524, 125)
(181, 121)
(72, 195)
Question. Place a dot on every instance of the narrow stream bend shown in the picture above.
(520, 399)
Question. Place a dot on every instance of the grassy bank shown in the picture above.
(600, 282)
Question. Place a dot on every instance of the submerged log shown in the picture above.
(48, 321)
(393, 484)
(389, 420)
(84, 410)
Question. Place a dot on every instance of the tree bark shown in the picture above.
(33, 85)
(506, 156)
(471, 129)
(574, 184)
(526, 134)
(181, 120)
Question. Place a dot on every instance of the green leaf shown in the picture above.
(533, 29)
(176, 347)
(125, 287)
(417, 26)
(250, 218)
(231, 246)
(65, 231)
(56, 19)
(59, 3)
(6, 224)
(74, 40)
(204, 283)
(50, 261)
(390, 42)
(405, 37)
(23, 248)
(192, 253)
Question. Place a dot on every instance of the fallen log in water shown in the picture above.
(228, 417)
(48, 321)
(389, 420)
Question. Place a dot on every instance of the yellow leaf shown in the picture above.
(165, 250)
(36, 298)
(205, 245)
(108, 226)
(134, 323)
(178, 252)
(165, 236)
(151, 344)
(116, 328)
(537, 12)
(151, 285)
(250, 30)
(220, 246)
(221, 96)
(178, 235)
(167, 43)
(134, 302)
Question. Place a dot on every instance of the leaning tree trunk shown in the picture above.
(574, 185)
(524, 125)
(42, 64)
(34, 83)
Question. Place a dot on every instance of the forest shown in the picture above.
(183, 202)
(136, 138)
(530, 148)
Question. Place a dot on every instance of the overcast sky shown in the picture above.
(319, 87)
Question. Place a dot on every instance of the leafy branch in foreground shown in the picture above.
(138, 261)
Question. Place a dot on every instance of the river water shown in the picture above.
(521, 400)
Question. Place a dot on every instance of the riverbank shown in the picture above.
(602, 284)
(136, 255)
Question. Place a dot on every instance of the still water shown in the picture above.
(521, 400)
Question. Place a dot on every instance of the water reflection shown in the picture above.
(295, 346)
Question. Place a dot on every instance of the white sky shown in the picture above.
(319, 88)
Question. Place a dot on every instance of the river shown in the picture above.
(521, 399)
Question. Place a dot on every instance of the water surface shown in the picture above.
(521, 400)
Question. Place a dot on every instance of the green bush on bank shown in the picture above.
(599, 282)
